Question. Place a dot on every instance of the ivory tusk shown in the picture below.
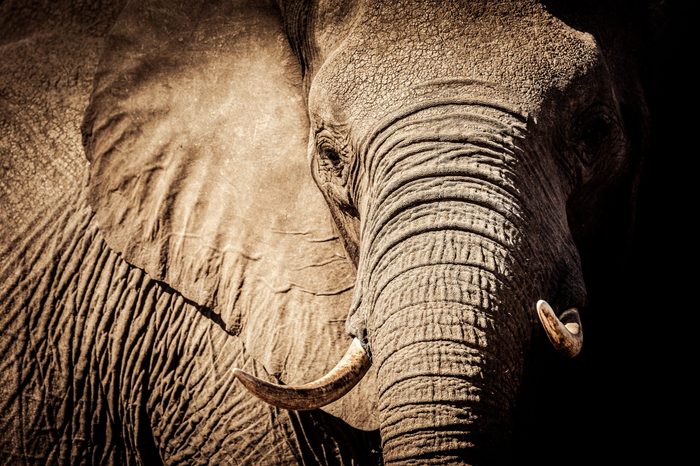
(332, 386)
(565, 332)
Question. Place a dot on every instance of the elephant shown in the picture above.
(207, 205)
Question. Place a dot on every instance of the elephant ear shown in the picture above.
(196, 134)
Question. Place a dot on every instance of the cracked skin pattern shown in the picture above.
(95, 372)
(49, 60)
(160, 227)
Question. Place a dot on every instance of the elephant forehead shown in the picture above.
(395, 49)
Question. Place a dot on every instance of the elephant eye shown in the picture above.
(331, 160)
(596, 131)
(596, 135)
(331, 156)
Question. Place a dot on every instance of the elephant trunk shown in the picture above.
(441, 302)
(448, 356)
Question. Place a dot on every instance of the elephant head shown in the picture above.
(462, 150)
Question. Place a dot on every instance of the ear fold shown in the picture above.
(196, 134)
(195, 108)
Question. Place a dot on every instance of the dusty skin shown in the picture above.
(193, 193)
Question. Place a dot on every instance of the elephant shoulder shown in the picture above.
(48, 57)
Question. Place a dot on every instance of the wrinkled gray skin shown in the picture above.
(462, 149)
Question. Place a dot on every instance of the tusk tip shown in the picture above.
(247, 379)
(547, 316)
(543, 307)
(243, 377)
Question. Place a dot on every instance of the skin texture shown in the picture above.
(466, 160)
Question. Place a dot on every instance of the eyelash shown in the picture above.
(332, 161)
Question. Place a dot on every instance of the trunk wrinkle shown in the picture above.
(407, 146)
(410, 177)
(400, 120)
(456, 228)
(450, 190)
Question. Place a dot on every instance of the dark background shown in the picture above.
(619, 401)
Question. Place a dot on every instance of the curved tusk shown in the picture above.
(565, 333)
(340, 380)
